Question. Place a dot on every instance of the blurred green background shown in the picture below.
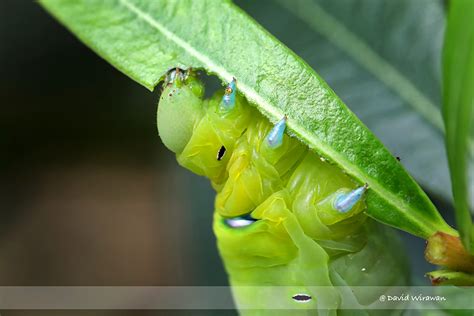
(90, 196)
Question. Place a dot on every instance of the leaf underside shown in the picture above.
(144, 39)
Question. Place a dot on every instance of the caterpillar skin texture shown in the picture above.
(275, 220)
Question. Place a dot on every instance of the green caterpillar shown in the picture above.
(283, 215)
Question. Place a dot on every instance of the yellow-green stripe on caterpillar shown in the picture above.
(283, 215)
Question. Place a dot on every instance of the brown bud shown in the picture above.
(447, 251)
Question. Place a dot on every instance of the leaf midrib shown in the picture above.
(272, 111)
(328, 26)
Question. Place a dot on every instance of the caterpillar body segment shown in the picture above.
(255, 170)
(275, 251)
(212, 130)
(283, 215)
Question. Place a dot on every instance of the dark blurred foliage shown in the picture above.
(88, 193)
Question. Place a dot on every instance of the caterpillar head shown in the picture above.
(202, 133)
(180, 109)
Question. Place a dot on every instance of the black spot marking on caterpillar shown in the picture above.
(398, 158)
(302, 298)
(221, 153)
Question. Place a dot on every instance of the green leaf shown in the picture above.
(383, 59)
(458, 107)
(144, 39)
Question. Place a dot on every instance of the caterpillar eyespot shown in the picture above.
(302, 298)
(307, 224)
(221, 153)
(240, 221)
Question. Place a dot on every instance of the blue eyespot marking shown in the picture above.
(275, 137)
(344, 202)
(228, 100)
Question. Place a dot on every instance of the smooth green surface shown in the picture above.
(146, 38)
(176, 127)
(458, 108)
